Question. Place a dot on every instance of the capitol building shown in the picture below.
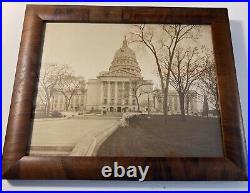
(113, 91)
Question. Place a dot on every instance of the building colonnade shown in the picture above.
(77, 102)
(174, 103)
(117, 96)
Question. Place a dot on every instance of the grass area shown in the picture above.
(151, 137)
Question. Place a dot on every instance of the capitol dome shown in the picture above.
(125, 52)
(124, 63)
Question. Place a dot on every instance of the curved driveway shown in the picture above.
(60, 136)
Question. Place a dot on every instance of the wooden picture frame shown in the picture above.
(16, 163)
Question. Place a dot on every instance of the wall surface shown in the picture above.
(13, 14)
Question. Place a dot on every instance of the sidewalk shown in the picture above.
(89, 144)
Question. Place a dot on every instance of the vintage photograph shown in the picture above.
(127, 90)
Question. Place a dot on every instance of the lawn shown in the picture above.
(151, 137)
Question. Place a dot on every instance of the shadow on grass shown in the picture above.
(150, 136)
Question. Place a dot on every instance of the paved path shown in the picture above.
(60, 137)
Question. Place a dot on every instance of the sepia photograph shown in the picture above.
(127, 90)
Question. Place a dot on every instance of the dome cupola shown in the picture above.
(124, 52)
(124, 63)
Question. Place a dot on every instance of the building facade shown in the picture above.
(58, 103)
(174, 103)
(114, 90)
(77, 102)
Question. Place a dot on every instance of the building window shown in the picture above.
(119, 102)
(112, 101)
(134, 102)
(105, 101)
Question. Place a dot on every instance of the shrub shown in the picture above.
(126, 117)
(56, 114)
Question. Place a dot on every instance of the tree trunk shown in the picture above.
(138, 105)
(52, 104)
(187, 104)
(66, 105)
(165, 108)
(182, 105)
(48, 108)
(148, 105)
(48, 102)
(165, 100)
(45, 109)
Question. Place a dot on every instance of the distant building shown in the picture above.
(77, 103)
(174, 102)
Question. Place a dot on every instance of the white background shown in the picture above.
(13, 14)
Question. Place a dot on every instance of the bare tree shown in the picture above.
(41, 99)
(162, 44)
(137, 90)
(49, 77)
(207, 82)
(68, 86)
(186, 69)
(175, 35)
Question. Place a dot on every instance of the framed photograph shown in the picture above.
(125, 93)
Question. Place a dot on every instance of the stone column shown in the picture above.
(116, 92)
(191, 104)
(62, 104)
(123, 93)
(101, 95)
(108, 96)
(75, 102)
(74, 105)
(130, 93)
(194, 101)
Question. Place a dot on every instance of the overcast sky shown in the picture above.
(90, 48)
